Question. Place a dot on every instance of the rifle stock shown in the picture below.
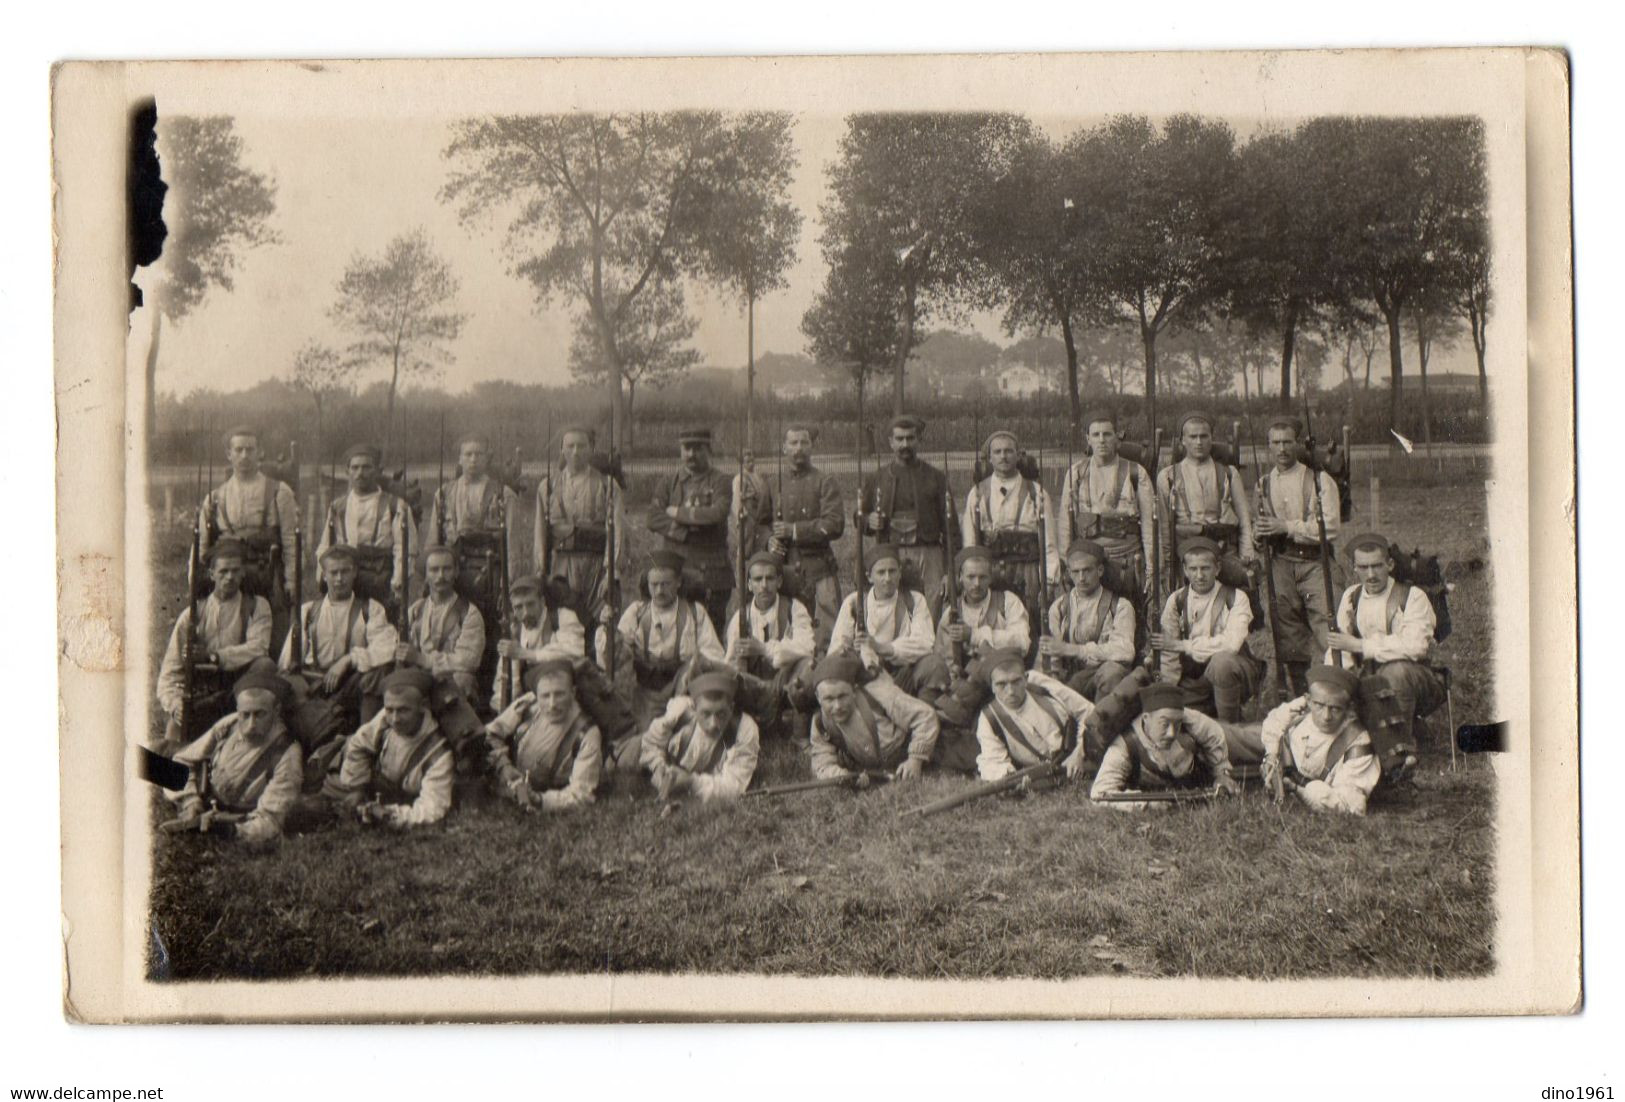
(986, 788)
(1153, 613)
(1159, 796)
(850, 780)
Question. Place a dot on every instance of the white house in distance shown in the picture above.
(1021, 381)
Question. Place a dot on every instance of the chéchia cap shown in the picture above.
(367, 450)
(412, 679)
(910, 421)
(802, 426)
(1086, 547)
(694, 436)
(882, 551)
(228, 545)
(1161, 695)
(665, 560)
(552, 667)
(713, 684)
(974, 551)
(527, 583)
(579, 428)
(1369, 541)
(766, 558)
(341, 552)
(263, 681)
(1195, 415)
(997, 660)
(838, 667)
(1190, 546)
(1335, 676)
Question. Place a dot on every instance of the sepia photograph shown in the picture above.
(1052, 536)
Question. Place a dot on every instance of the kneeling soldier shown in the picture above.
(893, 631)
(659, 636)
(544, 750)
(1167, 746)
(775, 656)
(871, 726)
(1204, 636)
(1091, 628)
(986, 619)
(1318, 748)
(445, 634)
(233, 637)
(1031, 718)
(702, 746)
(398, 769)
(346, 641)
(247, 769)
(1385, 630)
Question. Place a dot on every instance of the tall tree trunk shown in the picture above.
(1396, 362)
(1148, 338)
(1289, 344)
(1424, 341)
(901, 364)
(629, 429)
(394, 380)
(1476, 320)
(1075, 399)
(750, 366)
(152, 376)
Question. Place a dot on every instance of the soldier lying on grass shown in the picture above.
(1031, 719)
(1168, 746)
(398, 768)
(869, 726)
(1318, 748)
(703, 746)
(544, 751)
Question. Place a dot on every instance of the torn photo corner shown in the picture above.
(345, 349)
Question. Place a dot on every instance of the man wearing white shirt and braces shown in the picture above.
(1203, 637)
(890, 628)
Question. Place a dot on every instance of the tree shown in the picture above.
(400, 304)
(749, 228)
(326, 376)
(649, 340)
(600, 208)
(216, 208)
(1153, 208)
(901, 195)
(852, 324)
(1432, 321)
(1399, 192)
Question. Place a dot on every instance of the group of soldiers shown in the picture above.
(1016, 637)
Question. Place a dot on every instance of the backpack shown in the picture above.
(1424, 573)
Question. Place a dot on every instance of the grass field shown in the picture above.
(836, 883)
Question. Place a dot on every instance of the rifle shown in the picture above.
(544, 507)
(860, 605)
(1320, 521)
(612, 584)
(850, 780)
(1040, 771)
(297, 634)
(741, 580)
(1155, 608)
(950, 576)
(406, 566)
(194, 571)
(1159, 796)
(440, 490)
(505, 666)
(1044, 590)
(1263, 545)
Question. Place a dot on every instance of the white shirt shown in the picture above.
(914, 642)
(764, 627)
(1413, 639)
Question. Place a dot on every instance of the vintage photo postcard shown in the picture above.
(779, 538)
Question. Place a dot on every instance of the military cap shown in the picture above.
(1286, 423)
(665, 560)
(713, 684)
(1086, 547)
(987, 445)
(439, 549)
(838, 667)
(338, 551)
(997, 660)
(410, 678)
(526, 583)
(472, 438)
(882, 551)
(974, 551)
(241, 430)
(695, 436)
(1195, 415)
(367, 450)
(909, 421)
(1189, 547)
(1161, 694)
(552, 667)
(261, 680)
(582, 429)
(228, 545)
(1335, 676)
(766, 558)
(1369, 541)
(802, 426)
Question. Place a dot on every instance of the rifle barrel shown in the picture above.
(1159, 796)
(985, 788)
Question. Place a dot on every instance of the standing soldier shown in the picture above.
(755, 496)
(474, 515)
(1385, 630)
(1287, 522)
(807, 520)
(1091, 629)
(889, 627)
(1009, 514)
(1205, 496)
(986, 619)
(445, 634)
(233, 638)
(659, 636)
(1203, 636)
(690, 511)
(904, 504)
(572, 517)
(263, 514)
(1108, 498)
(346, 644)
(373, 521)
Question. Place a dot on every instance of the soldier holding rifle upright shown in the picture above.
(1287, 521)
(690, 511)
(889, 627)
(1091, 629)
(474, 515)
(1206, 497)
(770, 645)
(659, 636)
(1108, 498)
(984, 618)
(445, 634)
(376, 523)
(573, 507)
(541, 631)
(263, 514)
(903, 504)
(807, 520)
(1009, 513)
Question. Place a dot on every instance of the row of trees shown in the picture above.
(1332, 226)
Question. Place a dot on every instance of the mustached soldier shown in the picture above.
(659, 636)
(903, 506)
(260, 512)
(254, 766)
(890, 628)
(808, 519)
(1287, 522)
(1006, 512)
(348, 643)
(574, 504)
(475, 515)
(690, 512)
(445, 635)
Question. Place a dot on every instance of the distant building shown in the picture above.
(1021, 381)
(804, 388)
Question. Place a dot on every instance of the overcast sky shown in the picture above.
(350, 185)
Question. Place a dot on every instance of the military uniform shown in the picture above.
(721, 765)
(657, 645)
(1003, 513)
(263, 514)
(1103, 624)
(1207, 499)
(811, 506)
(1113, 505)
(258, 778)
(997, 623)
(572, 528)
(1011, 739)
(449, 637)
(887, 727)
(785, 629)
(476, 519)
(1196, 754)
(380, 527)
(904, 621)
(558, 762)
(238, 633)
(1301, 616)
(1217, 670)
(1333, 771)
(411, 776)
(330, 629)
(911, 500)
(699, 531)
